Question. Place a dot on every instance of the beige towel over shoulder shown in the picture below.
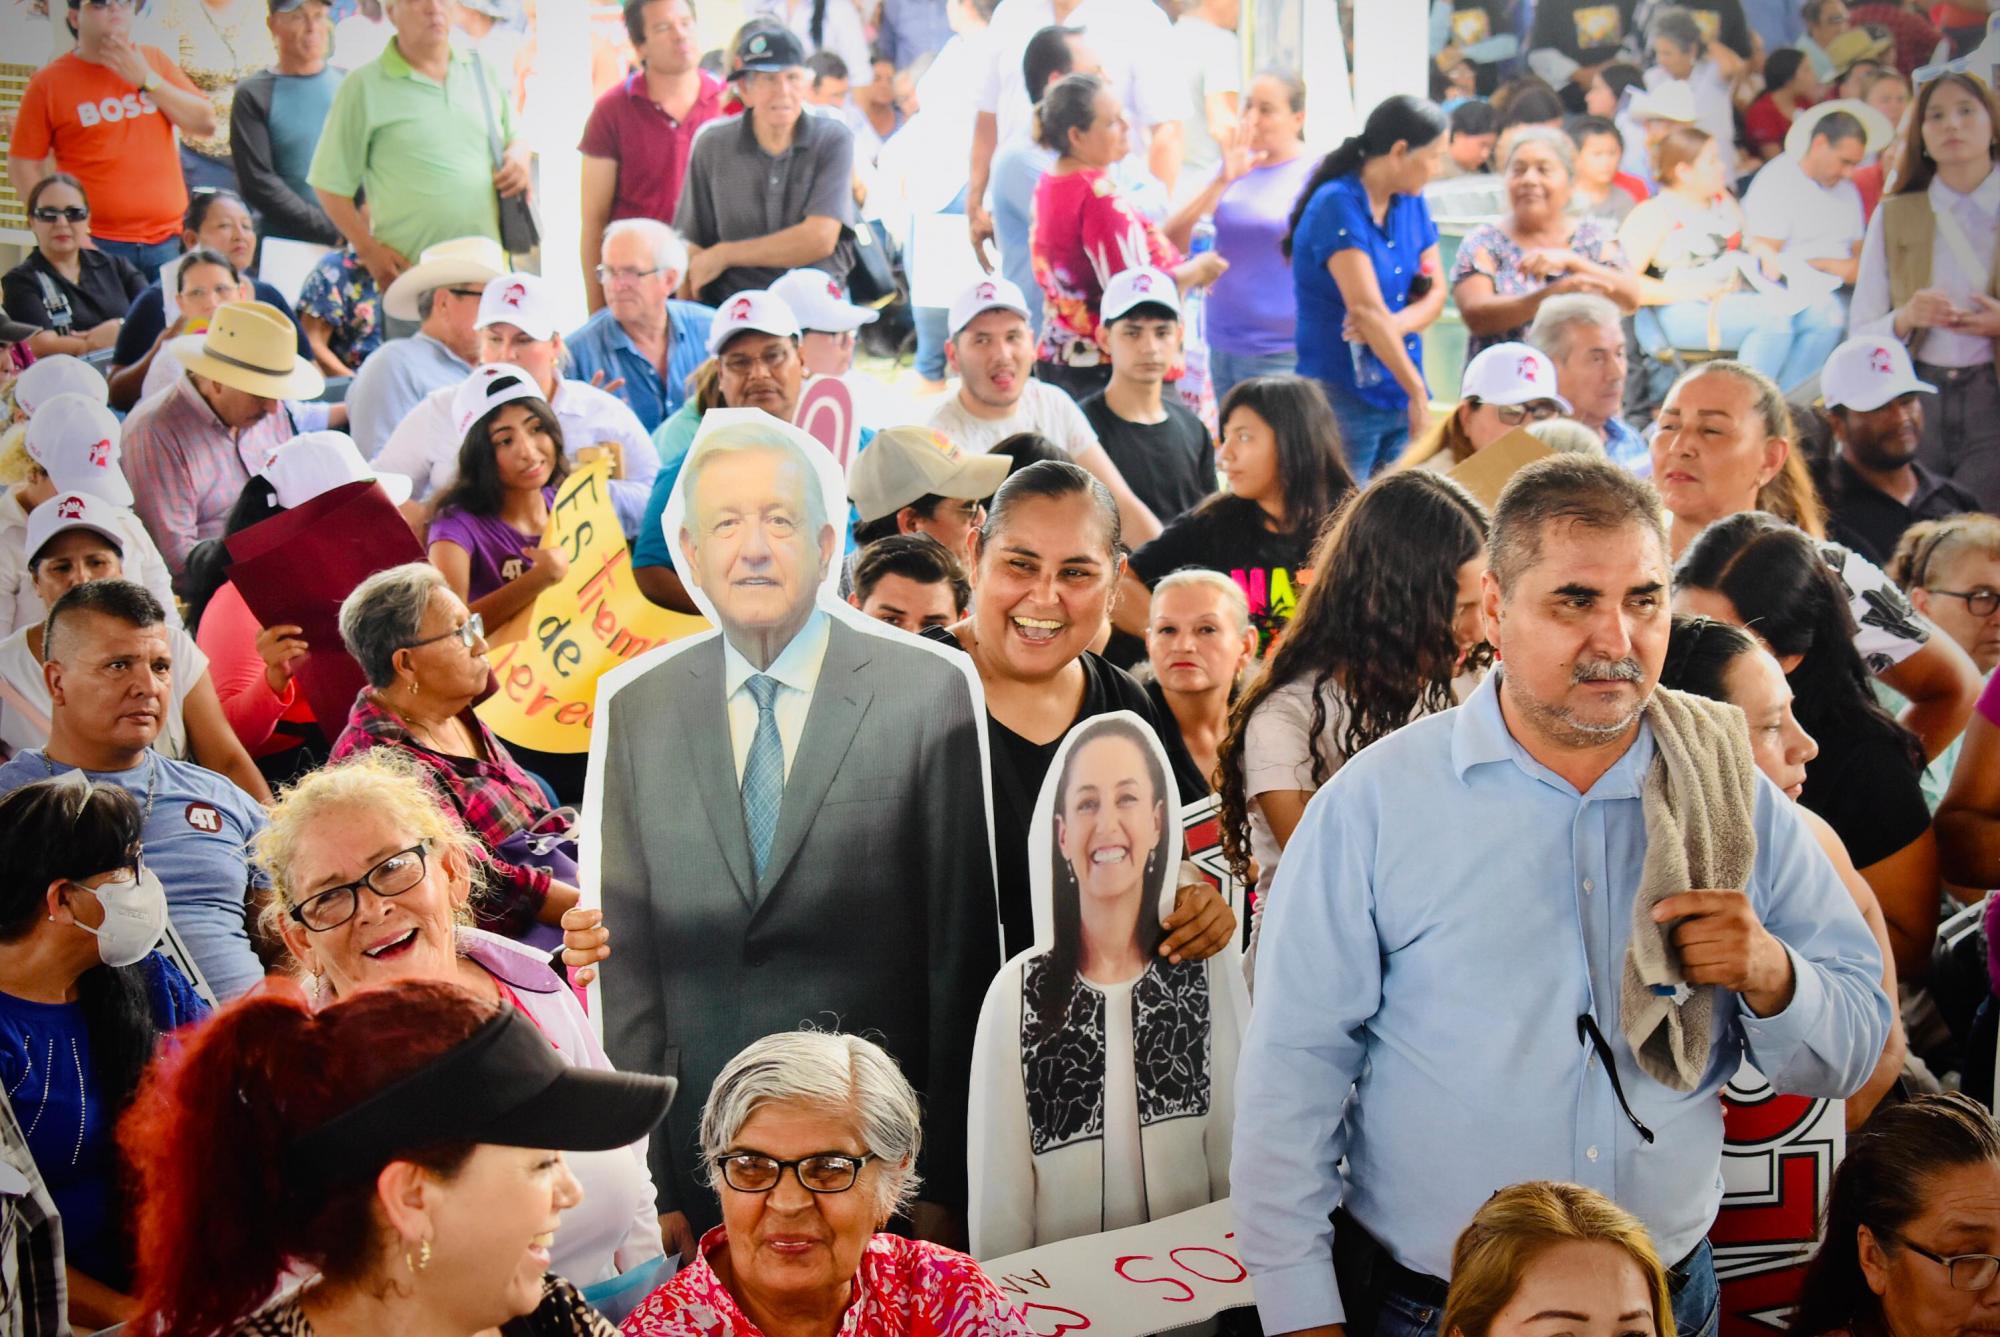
(1700, 801)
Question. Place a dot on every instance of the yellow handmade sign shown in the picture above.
(579, 629)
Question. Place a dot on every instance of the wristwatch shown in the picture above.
(151, 81)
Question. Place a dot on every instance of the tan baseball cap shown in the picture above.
(905, 463)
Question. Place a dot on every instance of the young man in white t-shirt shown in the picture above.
(996, 396)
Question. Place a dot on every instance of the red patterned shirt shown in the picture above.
(903, 1288)
(1085, 232)
(494, 798)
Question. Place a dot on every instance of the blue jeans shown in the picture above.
(1371, 437)
(1226, 369)
(1697, 1301)
(931, 321)
(147, 256)
(1787, 348)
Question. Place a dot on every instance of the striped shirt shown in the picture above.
(187, 467)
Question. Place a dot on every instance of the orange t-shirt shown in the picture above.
(108, 135)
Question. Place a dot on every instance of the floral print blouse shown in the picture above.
(1084, 232)
(341, 292)
(1490, 251)
(903, 1288)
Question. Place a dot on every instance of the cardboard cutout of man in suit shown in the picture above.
(790, 816)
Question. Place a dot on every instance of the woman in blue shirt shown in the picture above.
(84, 1000)
(1366, 271)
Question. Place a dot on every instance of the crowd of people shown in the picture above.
(1572, 738)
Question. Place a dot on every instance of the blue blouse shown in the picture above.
(45, 1064)
(1337, 218)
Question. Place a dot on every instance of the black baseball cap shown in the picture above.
(766, 50)
(505, 1085)
(14, 331)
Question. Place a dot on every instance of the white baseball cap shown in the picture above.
(1865, 374)
(752, 309)
(1138, 287)
(315, 462)
(75, 440)
(490, 386)
(58, 374)
(815, 300)
(520, 300)
(70, 509)
(1671, 101)
(1511, 373)
(989, 294)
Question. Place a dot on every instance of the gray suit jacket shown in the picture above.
(876, 915)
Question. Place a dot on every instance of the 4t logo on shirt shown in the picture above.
(111, 110)
(204, 817)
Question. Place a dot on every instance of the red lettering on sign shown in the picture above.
(1186, 1291)
(1185, 1266)
(1082, 1322)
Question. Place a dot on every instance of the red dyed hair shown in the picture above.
(218, 1220)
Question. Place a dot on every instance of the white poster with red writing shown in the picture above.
(1778, 1156)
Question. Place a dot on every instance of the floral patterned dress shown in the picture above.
(903, 1288)
(1490, 251)
(341, 292)
(1084, 232)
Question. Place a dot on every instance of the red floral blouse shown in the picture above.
(1084, 232)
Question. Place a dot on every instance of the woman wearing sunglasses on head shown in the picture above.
(74, 293)
(811, 1143)
(1507, 386)
(424, 655)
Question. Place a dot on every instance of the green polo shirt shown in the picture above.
(419, 148)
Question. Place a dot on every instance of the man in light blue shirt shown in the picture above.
(442, 291)
(1446, 937)
(642, 336)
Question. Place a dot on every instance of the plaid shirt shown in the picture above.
(34, 1293)
(494, 798)
(187, 468)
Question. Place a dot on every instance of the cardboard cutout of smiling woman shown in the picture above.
(787, 818)
(1103, 1075)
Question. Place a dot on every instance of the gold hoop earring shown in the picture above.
(421, 1261)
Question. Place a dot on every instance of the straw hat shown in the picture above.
(1875, 128)
(460, 260)
(251, 347)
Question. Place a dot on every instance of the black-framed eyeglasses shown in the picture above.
(474, 293)
(468, 635)
(1980, 602)
(772, 359)
(1965, 1271)
(333, 907)
(103, 4)
(49, 213)
(825, 1172)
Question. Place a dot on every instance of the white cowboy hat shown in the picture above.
(460, 260)
(1874, 125)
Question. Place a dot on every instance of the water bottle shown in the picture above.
(1368, 369)
(1202, 240)
(1194, 384)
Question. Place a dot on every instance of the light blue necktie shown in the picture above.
(763, 773)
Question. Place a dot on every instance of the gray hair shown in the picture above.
(669, 251)
(742, 438)
(1550, 138)
(384, 614)
(844, 1075)
(1557, 316)
(1234, 601)
(426, 303)
(1567, 436)
(1579, 490)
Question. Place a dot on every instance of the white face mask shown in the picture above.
(135, 917)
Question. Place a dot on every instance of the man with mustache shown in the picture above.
(1451, 949)
(109, 670)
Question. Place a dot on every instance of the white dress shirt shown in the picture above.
(1873, 311)
(797, 670)
(425, 447)
(1131, 37)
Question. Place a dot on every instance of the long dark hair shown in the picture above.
(1881, 1184)
(209, 561)
(1375, 622)
(1312, 461)
(1060, 965)
(1699, 653)
(68, 829)
(477, 489)
(1784, 591)
(1403, 118)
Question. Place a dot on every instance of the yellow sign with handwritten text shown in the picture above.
(579, 629)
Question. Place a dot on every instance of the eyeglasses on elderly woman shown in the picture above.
(824, 1172)
(333, 907)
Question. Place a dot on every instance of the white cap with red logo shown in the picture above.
(489, 386)
(753, 309)
(1865, 374)
(58, 374)
(989, 294)
(70, 509)
(1138, 287)
(316, 462)
(815, 300)
(1511, 374)
(520, 300)
(75, 440)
